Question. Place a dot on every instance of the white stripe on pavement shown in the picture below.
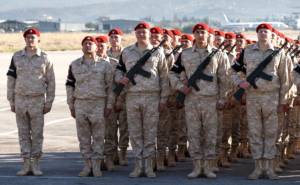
(5, 109)
(46, 177)
(46, 124)
(55, 101)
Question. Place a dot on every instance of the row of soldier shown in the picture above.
(148, 111)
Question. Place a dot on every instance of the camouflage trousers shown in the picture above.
(262, 124)
(243, 124)
(202, 125)
(170, 123)
(297, 127)
(219, 132)
(116, 121)
(143, 118)
(30, 123)
(230, 127)
(90, 124)
(292, 131)
(287, 131)
(181, 131)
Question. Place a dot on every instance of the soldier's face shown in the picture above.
(176, 40)
(89, 47)
(185, 43)
(155, 39)
(142, 35)
(32, 40)
(240, 43)
(115, 40)
(218, 41)
(168, 38)
(211, 38)
(264, 35)
(102, 48)
(230, 42)
(201, 36)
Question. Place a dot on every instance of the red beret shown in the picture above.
(219, 33)
(281, 35)
(33, 31)
(142, 25)
(230, 35)
(211, 31)
(156, 30)
(89, 38)
(264, 26)
(201, 26)
(102, 39)
(275, 31)
(116, 31)
(288, 39)
(240, 36)
(187, 37)
(248, 41)
(168, 32)
(176, 32)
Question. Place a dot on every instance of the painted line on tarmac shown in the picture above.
(4, 109)
(55, 101)
(46, 124)
(53, 177)
(45, 177)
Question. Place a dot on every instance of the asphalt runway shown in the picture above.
(62, 161)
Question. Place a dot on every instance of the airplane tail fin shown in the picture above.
(226, 18)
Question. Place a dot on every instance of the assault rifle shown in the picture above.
(137, 69)
(198, 75)
(258, 73)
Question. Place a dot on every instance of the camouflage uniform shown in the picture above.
(142, 99)
(88, 90)
(119, 121)
(243, 125)
(297, 104)
(200, 106)
(30, 88)
(231, 119)
(181, 129)
(262, 104)
(166, 131)
(290, 126)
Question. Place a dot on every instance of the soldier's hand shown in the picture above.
(171, 103)
(243, 100)
(244, 85)
(107, 112)
(220, 105)
(283, 108)
(118, 107)
(185, 82)
(124, 81)
(73, 113)
(12, 108)
(228, 104)
(46, 110)
(162, 107)
(186, 90)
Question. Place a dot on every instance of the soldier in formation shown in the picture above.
(167, 92)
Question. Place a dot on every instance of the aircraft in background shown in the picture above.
(244, 26)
